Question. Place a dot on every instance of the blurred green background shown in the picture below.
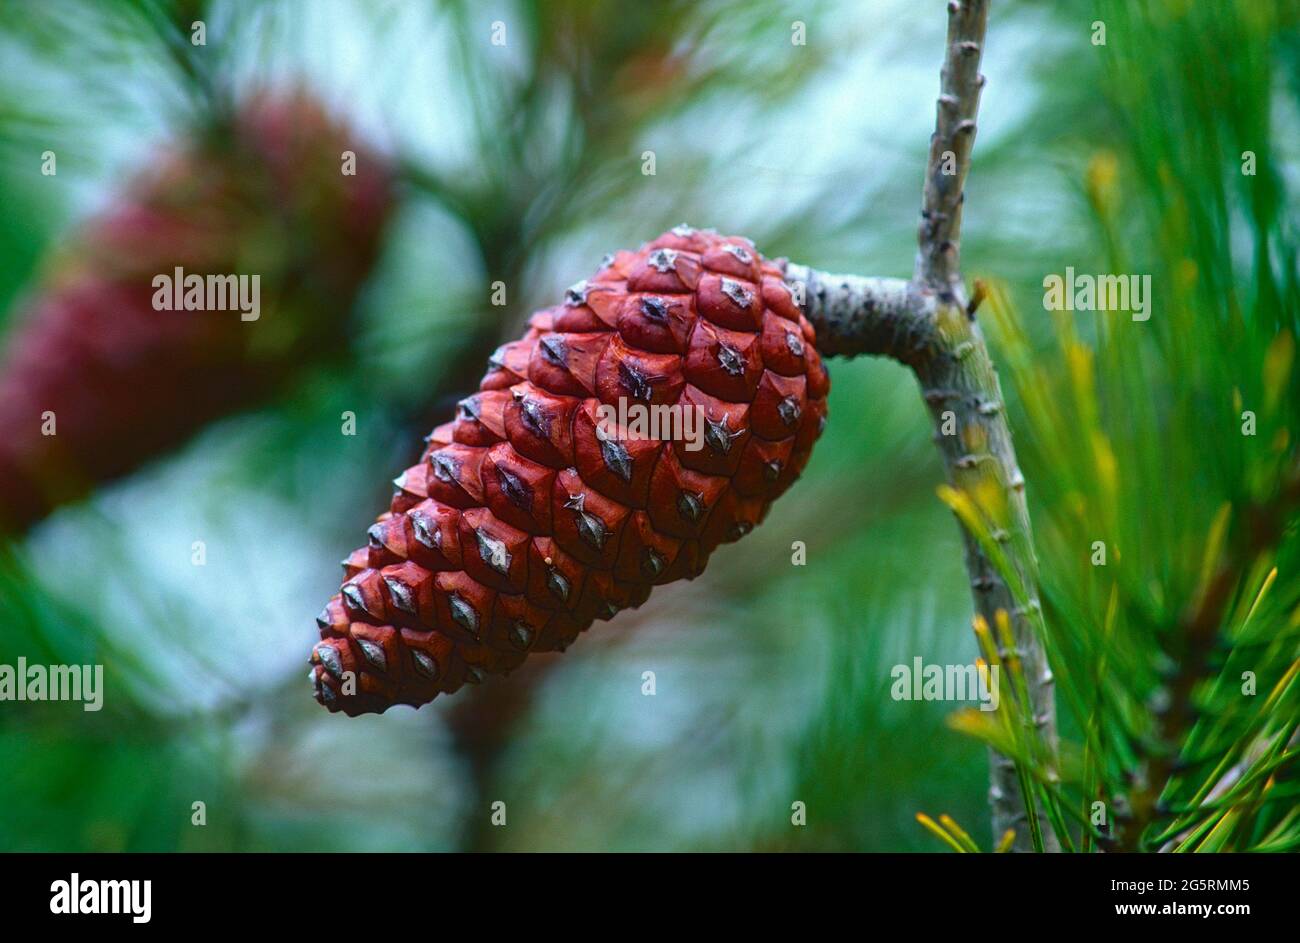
(524, 163)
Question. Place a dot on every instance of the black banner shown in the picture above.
(334, 892)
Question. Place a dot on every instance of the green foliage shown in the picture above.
(1169, 445)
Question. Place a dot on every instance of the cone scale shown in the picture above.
(534, 513)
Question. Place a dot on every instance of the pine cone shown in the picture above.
(532, 514)
(260, 192)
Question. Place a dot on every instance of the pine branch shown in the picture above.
(927, 324)
(950, 146)
(1195, 637)
(854, 314)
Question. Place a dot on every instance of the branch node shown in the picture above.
(938, 397)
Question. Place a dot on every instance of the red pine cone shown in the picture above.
(260, 192)
(527, 517)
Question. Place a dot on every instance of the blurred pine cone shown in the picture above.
(535, 513)
(260, 192)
